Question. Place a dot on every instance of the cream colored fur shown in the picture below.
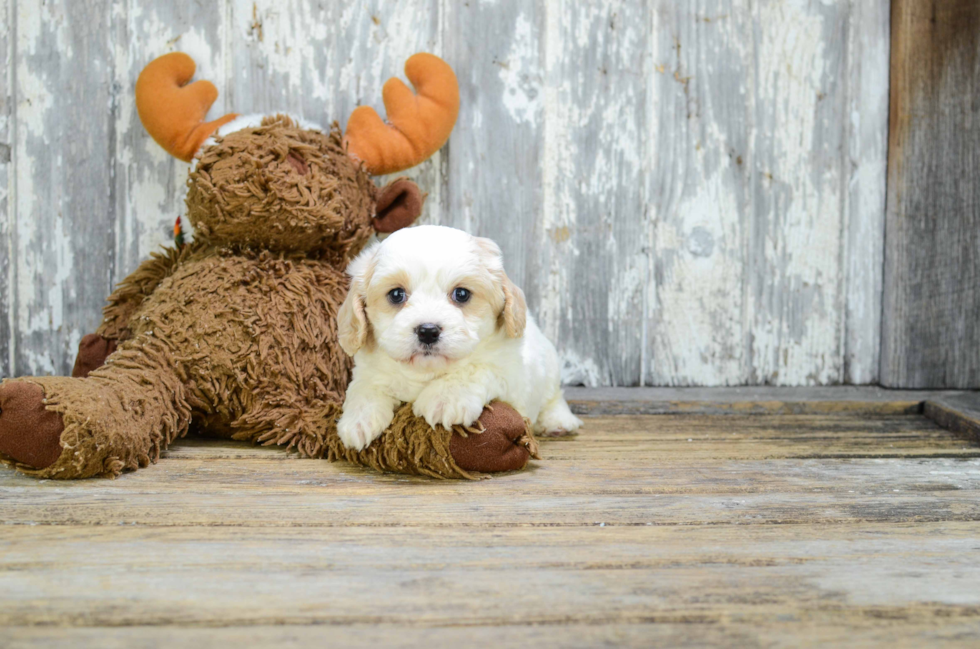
(488, 348)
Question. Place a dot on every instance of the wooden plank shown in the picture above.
(434, 577)
(677, 438)
(698, 194)
(840, 393)
(703, 274)
(859, 629)
(751, 196)
(63, 228)
(591, 230)
(599, 144)
(494, 167)
(629, 471)
(149, 184)
(794, 228)
(957, 413)
(558, 476)
(7, 8)
(685, 530)
(930, 332)
(256, 507)
(865, 117)
(846, 400)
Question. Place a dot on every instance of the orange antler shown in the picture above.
(418, 124)
(172, 112)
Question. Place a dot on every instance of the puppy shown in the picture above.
(431, 319)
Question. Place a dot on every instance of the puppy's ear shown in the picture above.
(353, 327)
(513, 315)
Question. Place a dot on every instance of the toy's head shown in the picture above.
(272, 182)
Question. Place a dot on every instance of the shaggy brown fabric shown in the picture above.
(118, 418)
(130, 293)
(236, 333)
(411, 446)
(246, 190)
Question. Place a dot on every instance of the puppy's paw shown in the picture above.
(449, 406)
(556, 420)
(361, 424)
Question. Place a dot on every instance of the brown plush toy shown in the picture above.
(235, 334)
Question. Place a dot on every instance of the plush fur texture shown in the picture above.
(417, 124)
(235, 335)
(479, 345)
(284, 188)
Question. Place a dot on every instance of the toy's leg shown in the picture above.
(121, 306)
(116, 419)
(500, 440)
(286, 419)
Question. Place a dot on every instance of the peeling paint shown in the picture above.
(683, 205)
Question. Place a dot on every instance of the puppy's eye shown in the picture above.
(461, 295)
(397, 295)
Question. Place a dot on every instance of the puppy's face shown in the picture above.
(427, 296)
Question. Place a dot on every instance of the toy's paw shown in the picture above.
(448, 406)
(502, 446)
(92, 352)
(362, 423)
(29, 433)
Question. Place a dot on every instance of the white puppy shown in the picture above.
(432, 319)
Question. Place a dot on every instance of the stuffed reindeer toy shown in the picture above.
(234, 335)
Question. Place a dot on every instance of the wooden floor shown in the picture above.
(859, 528)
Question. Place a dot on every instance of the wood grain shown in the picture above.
(866, 64)
(761, 166)
(623, 471)
(494, 171)
(689, 193)
(959, 413)
(63, 218)
(194, 576)
(930, 330)
(682, 529)
(6, 179)
(758, 401)
(595, 119)
(866, 627)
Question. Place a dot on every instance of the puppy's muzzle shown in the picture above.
(428, 334)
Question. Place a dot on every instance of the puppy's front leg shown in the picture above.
(367, 413)
(453, 401)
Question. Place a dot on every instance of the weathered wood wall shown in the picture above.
(931, 333)
(691, 193)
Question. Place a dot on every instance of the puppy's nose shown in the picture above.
(428, 333)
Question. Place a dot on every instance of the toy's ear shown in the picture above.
(417, 125)
(172, 111)
(399, 204)
(353, 327)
